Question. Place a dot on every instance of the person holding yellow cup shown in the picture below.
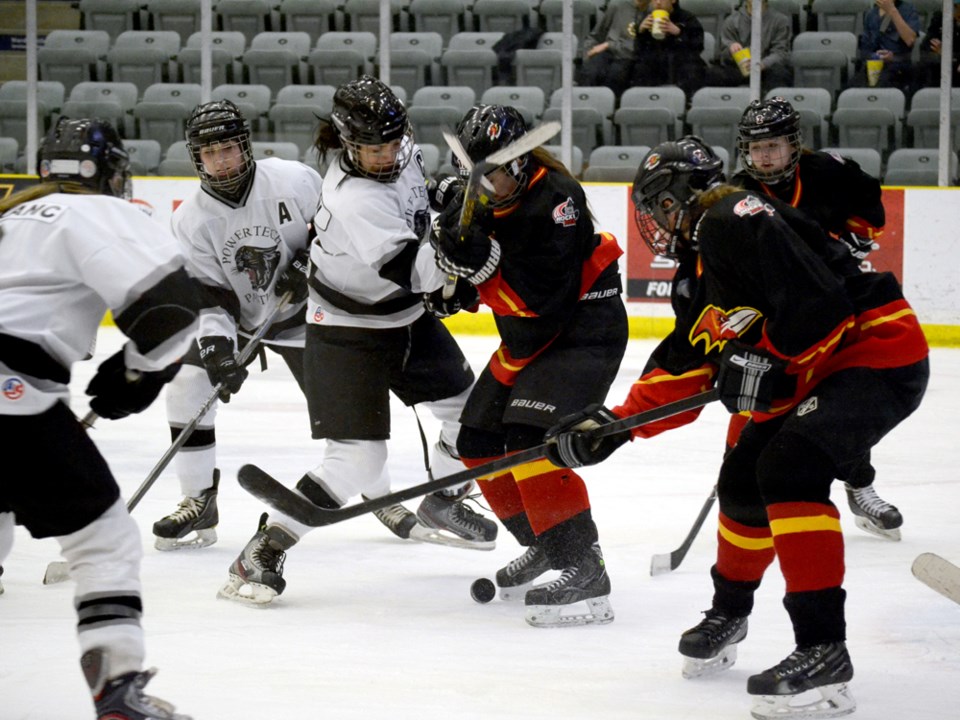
(668, 48)
(736, 38)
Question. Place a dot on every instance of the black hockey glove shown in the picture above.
(443, 191)
(117, 392)
(294, 277)
(858, 245)
(216, 353)
(570, 442)
(465, 296)
(748, 377)
(475, 257)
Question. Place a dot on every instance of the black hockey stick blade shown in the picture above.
(668, 562)
(266, 488)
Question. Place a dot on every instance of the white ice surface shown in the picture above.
(374, 627)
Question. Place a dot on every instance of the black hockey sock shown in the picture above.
(732, 597)
(817, 615)
(567, 542)
(519, 527)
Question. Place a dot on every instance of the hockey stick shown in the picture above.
(666, 562)
(278, 496)
(478, 186)
(57, 570)
(938, 574)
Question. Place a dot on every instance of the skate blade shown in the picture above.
(829, 701)
(422, 533)
(697, 667)
(874, 529)
(517, 592)
(599, 612)
(201, 539)
(246, 593)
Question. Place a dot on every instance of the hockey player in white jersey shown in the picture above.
(368, 335)
(245, 233)
(71, 248)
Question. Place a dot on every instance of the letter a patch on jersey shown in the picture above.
(715, 326)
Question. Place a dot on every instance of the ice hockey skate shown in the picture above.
(196, 517)
(406, 525)
(123, 699)
(810, 683)
(453, 523)
(711, 646)
(518, 576)
(873, 514)
(256, 577)
(587, 582)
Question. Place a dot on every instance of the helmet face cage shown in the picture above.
(667, 183)
(366, 116)
(767, 120)
(220, 123)
(486, 129)
(88, 152)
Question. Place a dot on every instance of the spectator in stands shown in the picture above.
(671, 56)
(890, 29)
(931, 49)
(608, 52)
(776, 37)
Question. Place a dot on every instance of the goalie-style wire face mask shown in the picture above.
(667, 184)
(218, 137)
(373, 128)
(770, 140)
(87, 152)
(488, 128)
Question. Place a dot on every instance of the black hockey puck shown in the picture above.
(483, 590)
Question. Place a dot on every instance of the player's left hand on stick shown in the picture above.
(474, 257)
(117, 392)
(570, 442)
(858, 245)
(749, 377)
(464, 297)
(294, 277)
(216, 353)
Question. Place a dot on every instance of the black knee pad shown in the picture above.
(521, 437)
(792, 468)
(473, 443)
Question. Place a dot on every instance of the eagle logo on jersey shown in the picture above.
(260, 265)
(565, 214)
(715, 326)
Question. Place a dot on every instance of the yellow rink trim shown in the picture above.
(812, 523)
(744, 542)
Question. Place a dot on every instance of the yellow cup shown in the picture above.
(742, 58)
(660, 17)
(874, 68)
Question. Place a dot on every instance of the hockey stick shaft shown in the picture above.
(296, 506)
(666, 562)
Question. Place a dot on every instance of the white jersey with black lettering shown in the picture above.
(372, 260)
(239, 248)
(65, 259)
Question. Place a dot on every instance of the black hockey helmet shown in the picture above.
(488, 128)
(88, 152)
(220, 122)
(668, 181)
(765, 120)
(368, 112)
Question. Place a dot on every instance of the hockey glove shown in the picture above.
(748, 377)
(216, 353)
(294, 277)
(443, 191)
(465, 297)
(474, 257)
(570, 443)
(117, 392)
(858, 245)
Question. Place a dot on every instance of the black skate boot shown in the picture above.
(518, 576)
(825, 668)
(874, 514)
(711, 646)
(584, 581)
(122, 697)
(256, 577)
(397, 519)
(196, 515)
(455, 523)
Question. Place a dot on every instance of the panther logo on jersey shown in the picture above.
(260, 265)
(715, 326)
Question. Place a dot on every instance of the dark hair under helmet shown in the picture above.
(483, 130)
(220, 122)
(667, 182)
(367, 112)
(765, 120)
(88, 152)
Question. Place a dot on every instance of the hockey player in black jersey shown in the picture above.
(72, 248)
(826, 362)
(553, 285)
(846, 202)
